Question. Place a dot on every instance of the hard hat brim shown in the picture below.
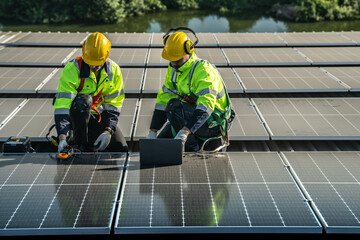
(165, 55)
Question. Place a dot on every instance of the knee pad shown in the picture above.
(82, 103)
(173, 105)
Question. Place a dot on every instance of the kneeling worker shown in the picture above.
(89, 98)
(193, 98)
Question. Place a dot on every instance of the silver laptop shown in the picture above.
(162, 151)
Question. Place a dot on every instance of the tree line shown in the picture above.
(110, 11)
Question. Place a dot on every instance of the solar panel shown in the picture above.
(246, 125)
(127, 117)
(248, 39)
(35, 118)
(55, 38)
(195, 197)
(314, 38)
(331, 179)
(157, 40)
(311, 118)
(22, 80)
(10, 37)
(129, 56)
(263, 56)
(213, 55)
(129, 39)
(52, 82)
(348, 75)
(154, 79)
(257, 80)
(132, 79)
(40, 195)
(144, 116)
(8, 106)
(155, 59)
(34, 56)
(353, 36)
(327, 55)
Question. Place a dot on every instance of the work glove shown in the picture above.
(182, 134)
(151, 135)
(62, 145)
(103, 140)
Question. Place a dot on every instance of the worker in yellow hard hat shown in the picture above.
(193, 98)
(89, 98)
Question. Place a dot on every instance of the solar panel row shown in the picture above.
(351, 38)
(286, 192)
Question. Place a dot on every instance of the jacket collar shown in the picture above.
(188, 64)
(85, 70)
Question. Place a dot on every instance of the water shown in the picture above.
(199, 21)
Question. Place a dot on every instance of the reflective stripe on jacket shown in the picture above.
(110, 82)
(206, 85)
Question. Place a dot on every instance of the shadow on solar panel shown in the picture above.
(215, 193)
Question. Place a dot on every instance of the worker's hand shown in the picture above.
(61, 145)
(103, 140)
(183, 134)
(152, 134)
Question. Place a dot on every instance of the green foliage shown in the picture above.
(181, 4)
(317, 10)
(110, 11)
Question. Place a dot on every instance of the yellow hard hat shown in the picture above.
(176, 46)
(96, 49)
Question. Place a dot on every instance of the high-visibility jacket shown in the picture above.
(110, 84)
(206, 88)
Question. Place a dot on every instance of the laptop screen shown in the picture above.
(162, 151)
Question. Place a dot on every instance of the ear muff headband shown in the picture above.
(188, 45)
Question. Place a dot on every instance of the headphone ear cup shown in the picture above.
(189, 46)
(165, 38)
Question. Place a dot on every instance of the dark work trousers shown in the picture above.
(86, 128)
(178, 113)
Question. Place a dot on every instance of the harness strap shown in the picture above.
(97, 98)
(79, 60)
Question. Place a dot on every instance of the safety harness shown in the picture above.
(97, 98)
(217, 117)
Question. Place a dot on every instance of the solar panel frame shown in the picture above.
(52, 39)
(309, 118)
(352, 35)
(347, 76)
(295, 39)
(28, 56)
(321, 56)
(49, 173)
(242, 57)
(247, 125)
(336, 171)
(287, 80)
(22, 80)
(129, 39)
(144, 185)
(248, 40)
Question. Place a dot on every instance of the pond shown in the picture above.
(198, 20)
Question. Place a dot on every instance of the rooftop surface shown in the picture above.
(292, 167)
